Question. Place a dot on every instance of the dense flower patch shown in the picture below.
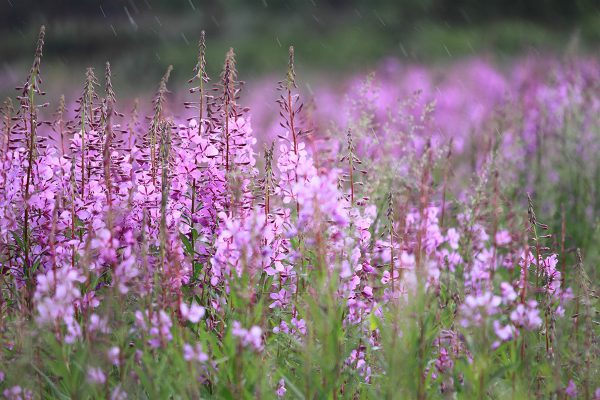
(170, 258)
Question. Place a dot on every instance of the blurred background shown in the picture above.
(332, 37)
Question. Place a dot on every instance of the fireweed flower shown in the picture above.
(357, 362)
(194, 353)
(157, 325)
(503, 238)
(508, 293)
(17, 393)
(281, 299)
(477, 308)
(504, 333)
(571, 389)
(319, 199)
(193, 313)
(526, 315)
(55, 297)
(98, 324)
(249, 337)
(114, 354)
(118, 394)
(96, 375)
(280, 391)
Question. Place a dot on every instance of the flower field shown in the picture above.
(412, 233)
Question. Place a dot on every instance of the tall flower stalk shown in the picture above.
(153, 136)
(29, 114)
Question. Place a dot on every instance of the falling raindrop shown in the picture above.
(131, 20)
(185, 38)
(447, 50)
(379, 17)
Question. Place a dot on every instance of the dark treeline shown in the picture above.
(20, 13)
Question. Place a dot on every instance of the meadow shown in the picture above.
(409, 233)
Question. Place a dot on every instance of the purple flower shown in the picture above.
(503, 238)
(17, 393)
(527, 316)
(114, 354)
(193, 313)
(508, 293)
(96, 375)
(571, 389)
(476, 309)
(249, 337)
(281, 298)
(194, 353)
(280, 392)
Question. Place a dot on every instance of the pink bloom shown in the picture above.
(571, 389)
(118, 393)
(503, 238)
(280, 392)
(508, 293)
(476, 308)
(251, 337)
(96, 376)
(452, 237)
(194, 353)
(113, 355)
(17, 393)
(193, 313)
(281, 299)
(527, 316)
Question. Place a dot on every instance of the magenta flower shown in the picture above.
(194, 353)
(280, 392)
(96, 376)
(249, 337)
(476, 309)
(503, 238)
(114, 354)
(508, 293)
(571, 389)
(281, 298)
(192, 313)
(527, 315)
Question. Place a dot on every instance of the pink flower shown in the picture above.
(281, 298)
(477, 308)
(280, 392)
(527, 316)
(96, 376)
(114, 355)
(452, 237)
(193, 313)
(194, 353)
(251, 337)
(98, 324)
(503, 238)
(17, 393)
(571, 389)
(508, 293)
(118, 393)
